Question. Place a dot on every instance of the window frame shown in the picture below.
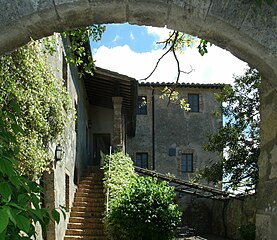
(142, 105)
(141, 165)
(194, 102)
(185, 167)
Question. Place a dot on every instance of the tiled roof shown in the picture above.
(187, 85)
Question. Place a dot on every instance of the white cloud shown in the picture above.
(116, 38)
(132, 36)
(160, 33)
(218, 66)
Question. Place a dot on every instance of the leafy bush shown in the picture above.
(247, 231)
(19, 197)
(118, 170)
(144, 210)
(140, 207)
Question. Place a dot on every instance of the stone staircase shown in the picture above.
(85, 220)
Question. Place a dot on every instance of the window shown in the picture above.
(187, 162)
(66, 192)
(142, 160)
(142, 105)
(193, 100)
(65, 71)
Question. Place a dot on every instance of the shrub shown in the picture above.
(143, 210)
(118, 170)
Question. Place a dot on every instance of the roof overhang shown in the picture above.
(105, 84)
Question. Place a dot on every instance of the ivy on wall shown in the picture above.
(45, 107)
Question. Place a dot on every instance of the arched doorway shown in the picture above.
(241, 27)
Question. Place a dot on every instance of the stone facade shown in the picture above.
(60, 185)
(86, 140)
(167, 132)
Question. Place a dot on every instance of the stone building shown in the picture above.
(105, 116)
(169, 139)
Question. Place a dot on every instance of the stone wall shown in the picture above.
(228, 216)
(218, 217)
(60, 185)
(168, 127)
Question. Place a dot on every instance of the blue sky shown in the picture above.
(136, 37)
(132, 50)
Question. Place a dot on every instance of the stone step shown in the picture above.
(86, 215)
(96, 214)
(86, 225)
(90, 208)
(88, 194)
(97, 178)
(87, 206)
(89, 185)
(84, 237)
(85, 232)
(85, 220)
(96, 192)
(96, 175)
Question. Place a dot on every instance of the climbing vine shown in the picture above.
(28, 83)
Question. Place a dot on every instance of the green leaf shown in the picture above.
(23, 199)
(6, 167)
(16, 128)
(37, 215)
(5, 190)
(15, 180)
(56, 215)
(16, 107)
(4, 219)
(63, 209)
(23, 223)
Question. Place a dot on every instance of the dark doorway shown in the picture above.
(101, 146)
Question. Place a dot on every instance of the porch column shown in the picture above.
(117, 140)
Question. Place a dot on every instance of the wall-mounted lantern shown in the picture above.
(58, 153)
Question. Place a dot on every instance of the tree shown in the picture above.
(238, 141)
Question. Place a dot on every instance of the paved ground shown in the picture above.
(203, 237)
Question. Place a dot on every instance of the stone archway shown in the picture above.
(246, 30)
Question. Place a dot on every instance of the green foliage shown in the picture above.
(173, 96)
(203, 47)
(144, 210)
(247, 231)
(27, 83)
(79, 49)
(238, 142)
(140, 208)
(260, 2)
(118, 170)
(19, 197)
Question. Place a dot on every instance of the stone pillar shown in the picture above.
(49, 201)
(266, 217)
(117, 141)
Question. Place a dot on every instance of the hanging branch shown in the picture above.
(177, 41)
(174, 44)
